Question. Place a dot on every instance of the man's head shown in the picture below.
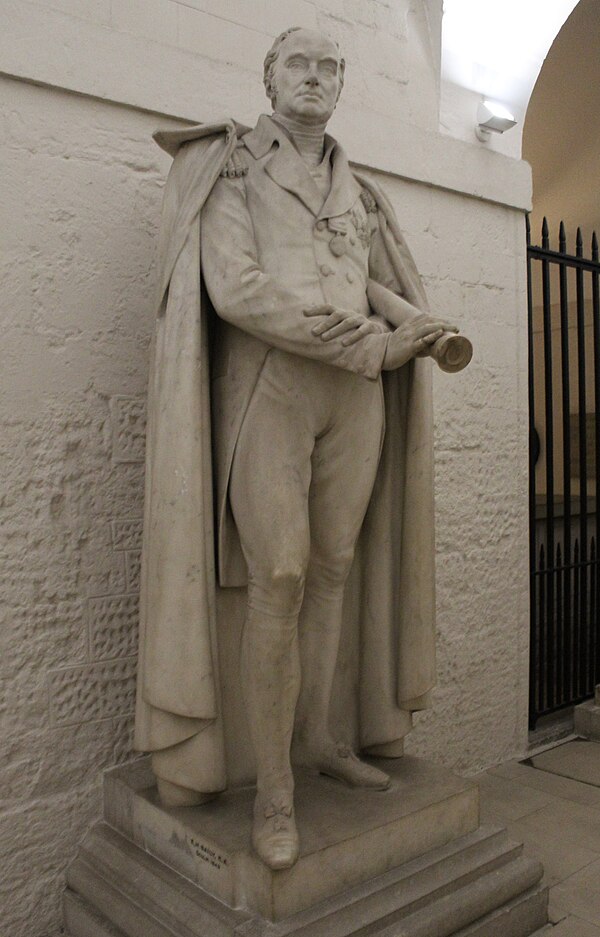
(304, 75)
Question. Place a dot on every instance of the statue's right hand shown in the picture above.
(335, 323)
(414, 337)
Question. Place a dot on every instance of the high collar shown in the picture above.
(287, 168)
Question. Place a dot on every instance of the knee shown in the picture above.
(278, 588)
(331, 569)
(285, 581)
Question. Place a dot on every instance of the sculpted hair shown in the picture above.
(272, 56)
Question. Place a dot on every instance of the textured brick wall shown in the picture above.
(80, 193)
(471, 256)
(79, 204)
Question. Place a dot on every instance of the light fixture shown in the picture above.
(492, 118)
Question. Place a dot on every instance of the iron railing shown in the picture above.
(564, 405)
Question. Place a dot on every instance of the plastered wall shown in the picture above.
(83, 84)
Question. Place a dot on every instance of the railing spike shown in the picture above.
(545, 233)
(562, 238)
(528, 229)
(594, 247)
(579, 243)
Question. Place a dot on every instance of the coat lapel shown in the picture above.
(284, 164)
(344, 188)
(287, 169)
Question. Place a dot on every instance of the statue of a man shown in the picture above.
(299, 258)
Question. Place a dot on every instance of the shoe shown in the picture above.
(274, 833)
(339, 761)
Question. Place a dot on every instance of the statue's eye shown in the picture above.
(296, 64)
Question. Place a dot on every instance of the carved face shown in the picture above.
(307, 77)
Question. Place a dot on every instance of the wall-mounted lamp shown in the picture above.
(492, 118)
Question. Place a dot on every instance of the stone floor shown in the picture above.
(551, 803)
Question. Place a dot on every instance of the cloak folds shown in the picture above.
(186, 617)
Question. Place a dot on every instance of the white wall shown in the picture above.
(83, 85)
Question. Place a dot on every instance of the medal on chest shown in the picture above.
(338, 245)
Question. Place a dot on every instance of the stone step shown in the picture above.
(140, 896)
(347, 836)
(80, 918)
(586, 719)
(480, 885)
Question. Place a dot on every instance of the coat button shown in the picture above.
(350, 277)
(321, 225)
(325, 270)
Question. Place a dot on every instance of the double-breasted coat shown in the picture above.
(267, 237)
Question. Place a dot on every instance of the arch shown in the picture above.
(497, 47)
(561, 135)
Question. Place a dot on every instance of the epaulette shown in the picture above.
(237, 164)
(368, 201)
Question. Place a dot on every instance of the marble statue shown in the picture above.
(289, 475)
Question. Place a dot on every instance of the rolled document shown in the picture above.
(451, 352)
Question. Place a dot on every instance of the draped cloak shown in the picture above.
(387, 658)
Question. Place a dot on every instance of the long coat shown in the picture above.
(184, 613)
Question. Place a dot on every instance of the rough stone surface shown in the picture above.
(80, 197)
(81, 190)
(129, 428)
(114, 618)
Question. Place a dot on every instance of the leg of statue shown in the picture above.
(314, 746)
(270, 681)
(340, 491)
(270, 507)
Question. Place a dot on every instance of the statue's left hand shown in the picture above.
(336, 322)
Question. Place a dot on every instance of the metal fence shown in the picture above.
(564, 405)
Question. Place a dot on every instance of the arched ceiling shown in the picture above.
(561, 137)
(496, 47)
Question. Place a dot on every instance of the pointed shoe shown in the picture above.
(274, 834)
(340, 762)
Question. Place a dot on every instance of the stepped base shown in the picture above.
(409, 862)
(586, 718)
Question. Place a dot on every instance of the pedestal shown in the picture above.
(586, 717)
(408, 862)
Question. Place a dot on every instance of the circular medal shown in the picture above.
(338, 245)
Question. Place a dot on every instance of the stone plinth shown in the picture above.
(586, 719)
(347, 835)
(410, 861)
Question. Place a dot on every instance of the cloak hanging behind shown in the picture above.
(188, 709)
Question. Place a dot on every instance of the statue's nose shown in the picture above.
(312, 78)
